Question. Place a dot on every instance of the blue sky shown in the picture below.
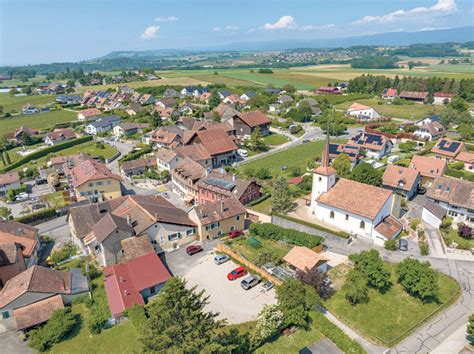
(44, 31)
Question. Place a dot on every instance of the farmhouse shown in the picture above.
(414, 96)
(389, 94)
(440, 98)
(362, 112)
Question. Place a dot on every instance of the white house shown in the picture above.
(357, 208)
(101, 125)
(440, 98)
(361, 111)
(166, 159)
(429, 131)
(9, 181)
(433, 214)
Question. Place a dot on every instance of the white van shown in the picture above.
(393, 158)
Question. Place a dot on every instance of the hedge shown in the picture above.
(136, 154)
(39, 215)
(460, 174)
(314, 226)
(292, 237)
(337, 335)
(41, 153)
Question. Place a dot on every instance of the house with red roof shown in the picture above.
(134, 282)
(220, 146)
(441, 98)
(389, 94)
(362, 112)
(414, 96)
(246, 123)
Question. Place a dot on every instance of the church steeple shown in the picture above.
(325, 168)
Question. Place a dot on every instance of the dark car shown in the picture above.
(193, 249)
(235, 233)
(403, 245)
(421, 190)
(38, 206)
(41, 181)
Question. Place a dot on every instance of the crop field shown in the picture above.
(222, 79)
(12, 103)
(18, 82)
(37, 121)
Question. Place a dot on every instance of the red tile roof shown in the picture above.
(25, 235)
(91, 170)
(400, 177)
(38, 312)
(90, 112)
(9, 177)
(124, 282)
(444, 94)
(414, 94)
(254, 118)
(428, 166)
(216, 141)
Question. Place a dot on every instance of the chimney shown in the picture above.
(121, 279)
(222, 206)
(125, 292)
(129, 219)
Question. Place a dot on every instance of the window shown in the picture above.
(5, 315)
(219, 233)
(153, 242)
(347, 216)
(190, 232)
(232, 228)
(362, 224)
(331, 215)
(452, 213)
(98, 249)
(320, 179)
(237, 218)
(99, 183)
(175, 236)
(152, 290)
(109, 182)
(90, 184)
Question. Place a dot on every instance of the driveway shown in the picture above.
(11, 343)
(225, 297)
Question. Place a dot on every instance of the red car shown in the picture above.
(190, 250)
(237, 273)
(235, 233)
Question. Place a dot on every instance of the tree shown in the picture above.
(177, 322)
(216, 117)
(281, 196)
(391, 245)
(5, 213)
(355, 288)
(470, 329)
(214, 100)
(458, 104)
(407, 146)
(465, 231)
(289, 88)
(256, 141)
(411, 65)
(262, 173)
(295, 299)
(58, 326)
(371, 266)
(269, 323)
(317, 280)
(365, 173)
(418, 279)
(342, 164)
(155, 121)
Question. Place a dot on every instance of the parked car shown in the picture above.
(421, 190)
(38, 206)
(403, 245)
(237, 273)
(222, 258)
(306, 141)
(235, 233)
(21, 197)
(193, 249)
(242, 153)
(249, 282)
(266, 286)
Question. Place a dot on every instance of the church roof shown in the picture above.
(325, 168)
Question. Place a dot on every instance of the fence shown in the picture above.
(245, 262)
(292, 223)
(110, 159)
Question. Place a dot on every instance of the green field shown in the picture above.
(412, 112)
(18, 82)
(275, 139)
(299, 156)
(401, 312)
(37, 121)
(12, 103)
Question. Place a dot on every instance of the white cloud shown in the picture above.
(228, 28)
(150, 32)
(166, 19)
(442, 7)
(284, 22)
(314, 28)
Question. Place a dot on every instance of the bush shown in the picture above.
(424, 248)
(64, 253)
(292, 237)
(136, 314)
(414, 224)
(459, 165)
(465, 231)
(391, 245)
(446, 223)
(314, 226)
(39, 215)
(355, 288)
(267, 257)
(337, 335)
(58, 326)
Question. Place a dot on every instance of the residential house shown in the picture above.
(218, 144)
(163, 138)
(328, 90)
(166, 160)
(433, 214)
(223, 94)
(225, 111)
(166, 102)
(205, 97)
(468, 159)
(356, 208)
(305, 260)
(188, 91)
(146, 99)
(12, 262)
(246, 123)
(414, 96)
(138, 166)
(455, 196)
(247, 95)
(196, 152)
(102, 125)
(135, 247)
(353, 152)
(88, 113)
(184, 178)
(128, 128)
(440, 98)
(402, 180)
(429, 131)
(285, 100)
(172, 93)
(21, 134)
(428, 167)
(167, 226)
(92, 180)
(389, 93)
(233, 100)
(447, 149)
(198, 91)
(186, 108)
(59, 136)
(274, 108)
(374, 145)
(135, 97)
(24, 235)
(133, 109)
(362, 112)
(217, 219)
(221, 185)
(9, 181)
(29, 109)
(134, 282)
(31, 297)
(62, 163)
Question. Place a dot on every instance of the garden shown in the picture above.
(461, 237)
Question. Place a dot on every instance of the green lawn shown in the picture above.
(388, 318)
(88, 147)
(221, 79)
(37, 121)
(298, 156)
(451, 235)
(264, 206)
(241, 246)
(56, 199)
(275, 139)
(12, 103)
(18, 82)
(412, 112)
(293, 343)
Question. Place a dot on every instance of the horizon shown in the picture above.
(62, 36)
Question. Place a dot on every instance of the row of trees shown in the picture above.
(374, 62)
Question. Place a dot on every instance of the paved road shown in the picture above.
(11, 344)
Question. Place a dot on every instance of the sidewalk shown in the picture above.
(454, 343)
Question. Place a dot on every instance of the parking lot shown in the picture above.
(226, 297)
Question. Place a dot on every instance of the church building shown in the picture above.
(360, 209)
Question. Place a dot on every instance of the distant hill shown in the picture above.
(459, 35)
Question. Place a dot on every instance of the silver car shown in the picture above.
(222, 258)
(250, 282)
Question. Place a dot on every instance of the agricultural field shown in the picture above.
(18, 82)
(411, 112)
(12, 103)
(37, 121)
